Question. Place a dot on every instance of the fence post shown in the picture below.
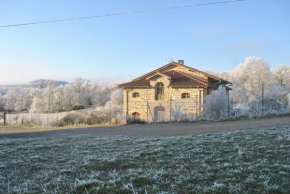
(110, 118)
(147, 111)
(170, 110)
(68, 122)
(199, 108)
(127, 106)
(196, 103)
(262, 99)
(5, 118)
(228, 104)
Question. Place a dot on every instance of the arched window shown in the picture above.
(136, 115)
(135, 95)
(159, 91)
(185, 95)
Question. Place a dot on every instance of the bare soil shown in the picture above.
(150, 129)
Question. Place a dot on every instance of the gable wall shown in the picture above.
(140, 104)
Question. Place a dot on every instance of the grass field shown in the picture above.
(255, 161)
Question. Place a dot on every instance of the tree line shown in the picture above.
(257, 90)
(248, 78)
(60, 98)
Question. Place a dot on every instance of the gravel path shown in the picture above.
(151, 129)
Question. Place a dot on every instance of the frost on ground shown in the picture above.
(256, 161)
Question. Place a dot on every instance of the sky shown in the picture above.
(116, 48)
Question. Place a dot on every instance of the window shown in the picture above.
(185, 95)
(159, 91)
(135, 95)
(135, 115)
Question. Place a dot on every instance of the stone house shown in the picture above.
(169, 93)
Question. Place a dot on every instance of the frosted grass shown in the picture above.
(256, 161)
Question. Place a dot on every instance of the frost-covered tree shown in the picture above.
(10, 101)
(59, 98)
(88, 94)
(80, 85)
(216, 104)
(38, 105)
(2, 102)
(116, 97)
(22, 100)
(48, 98)
(253, 73)
(282, 75)
(69, 95)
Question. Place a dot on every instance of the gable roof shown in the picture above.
(182, 80)
(179, 79)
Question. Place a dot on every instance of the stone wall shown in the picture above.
(146, 100)
(145, 103)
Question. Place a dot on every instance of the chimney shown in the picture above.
(181, 62)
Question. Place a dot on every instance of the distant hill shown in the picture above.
(41, 83)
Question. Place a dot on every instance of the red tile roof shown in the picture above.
(138, 83)
(178, 79)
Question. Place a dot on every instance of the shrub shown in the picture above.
(88, 121)
(216, 104)
(131, 120)
(72, 119)
(77, 107)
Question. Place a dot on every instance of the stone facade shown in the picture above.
(173, 105)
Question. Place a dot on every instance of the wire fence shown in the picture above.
(78, 117)
(189, 109)
(181, 110)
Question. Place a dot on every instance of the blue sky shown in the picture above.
(217, 37)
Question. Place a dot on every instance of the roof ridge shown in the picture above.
(158, 73)
(172, 63)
